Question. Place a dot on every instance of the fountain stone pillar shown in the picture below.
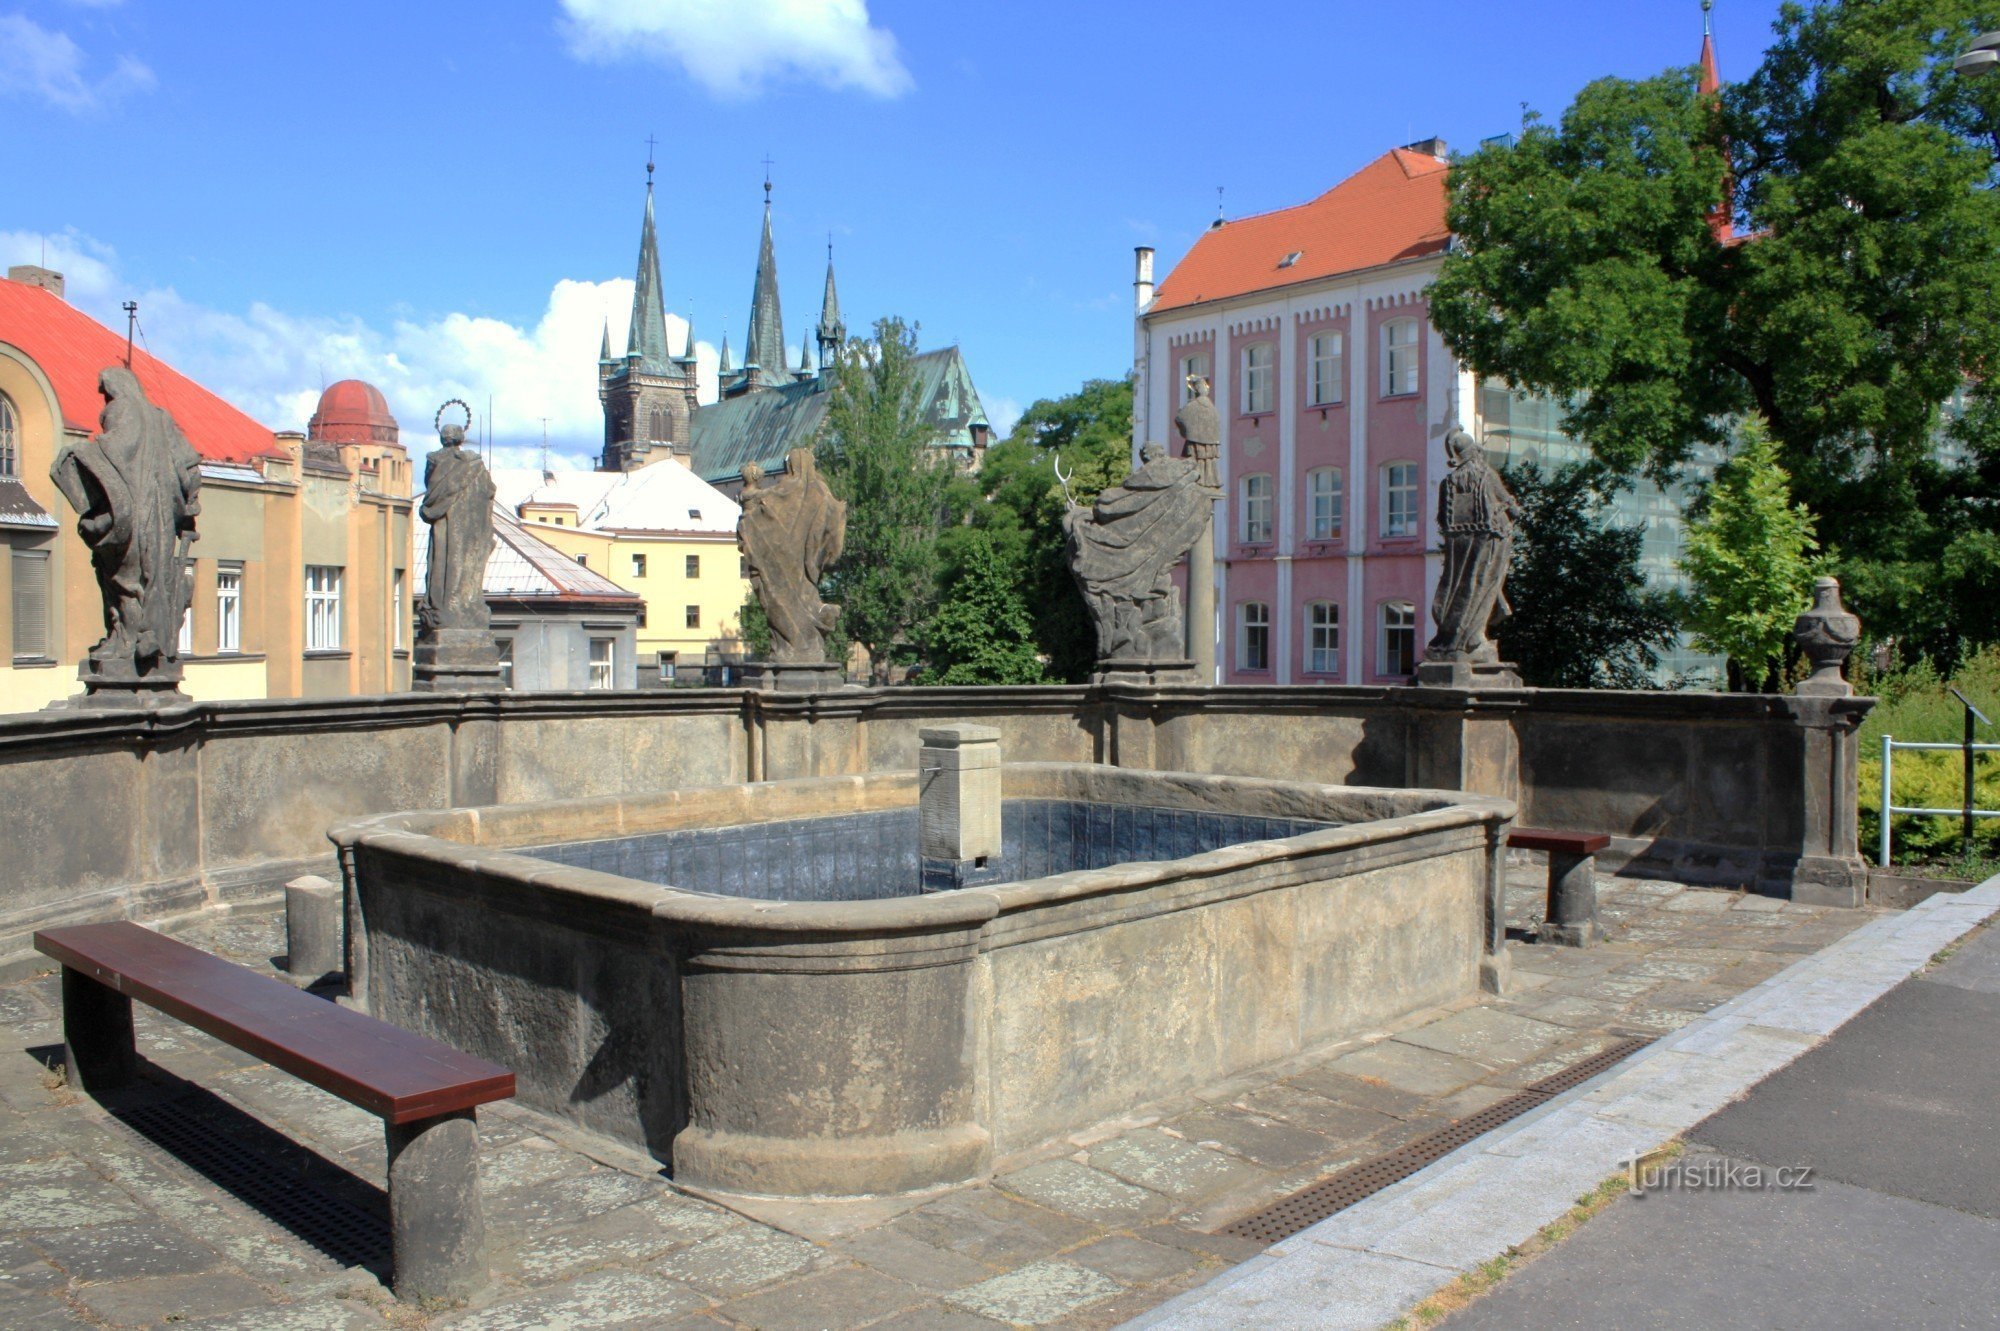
(958, 805)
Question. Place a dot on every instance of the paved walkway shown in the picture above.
(240, 1197)
(1897, 1118)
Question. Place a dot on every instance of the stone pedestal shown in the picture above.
(1570, 919)
(958, 784)
(1468, 675)
(313, 947)
(1146, 674)
(455, 661)
(117, 684)
(792, 676)
(437, 1230)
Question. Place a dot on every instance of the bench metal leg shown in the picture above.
(97, 1034)
(437, 1228)
(1571, 917)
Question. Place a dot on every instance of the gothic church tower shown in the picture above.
(648, 393)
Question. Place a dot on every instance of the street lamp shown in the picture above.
(1983, 58)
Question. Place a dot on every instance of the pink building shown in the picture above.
(1335, 393)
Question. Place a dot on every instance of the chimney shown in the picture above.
(1429, 147)
(30, 275)
(1142, 277)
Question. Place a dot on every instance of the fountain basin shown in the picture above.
(886, 1039)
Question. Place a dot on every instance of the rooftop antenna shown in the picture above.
(131, 322)
(1218, 209)
(1706, 6)
(545, 445)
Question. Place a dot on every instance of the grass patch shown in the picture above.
(1479, 1281)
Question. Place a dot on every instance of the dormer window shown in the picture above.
(1291, 258)
(695, 513)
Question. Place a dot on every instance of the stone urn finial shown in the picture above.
(1827, 633)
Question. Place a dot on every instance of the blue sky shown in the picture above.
(444, 197)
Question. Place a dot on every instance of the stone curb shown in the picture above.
(1377, 1260)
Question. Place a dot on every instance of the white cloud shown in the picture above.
(36, 62)
(1001, 413)
(733, 48)
(272, 364)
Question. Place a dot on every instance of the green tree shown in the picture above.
(982, 633)
(1749, 563)
(1583, 615)
(1859, 293)
(1090, 433)
(876, 454)
(755, 627)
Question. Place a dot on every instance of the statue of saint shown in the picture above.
(791, 532)
(458, 505)
(1200, 426)
(136, 488)
(1475, 517)
(1123, 549)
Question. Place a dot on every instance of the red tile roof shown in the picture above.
(72, 349)
(1391, 209)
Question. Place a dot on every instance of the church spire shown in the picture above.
(765, 347)
(728, 366)
(604, 347)
(648, 336)
(1720, 223)
(687, 348)
(832, 331)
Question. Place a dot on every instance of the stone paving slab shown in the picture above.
(1375, 1261)
(1086, 1233)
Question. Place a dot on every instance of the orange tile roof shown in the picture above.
(72, 349)
(1391, 209)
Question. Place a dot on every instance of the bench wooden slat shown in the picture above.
(393, 1073)
(1568, 843)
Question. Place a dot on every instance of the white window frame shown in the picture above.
(323, 608)
(10, 439)
(229, 609)
(1401, 358)
(691, 566)
(638, 564)
(184, 641)
(670, 664)
(1400, 515)
(692, 617)
(1325, 493)
(603, 663)
(1322, 635)
(504, 649)
(1253, 615)
(1259, 362)
(1254, 523)
(1394, 617)
(1326, 358)
(1195, 365)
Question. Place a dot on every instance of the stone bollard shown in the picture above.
(437, 1229)
(313, 909)
(958, 784)
(1571, 916)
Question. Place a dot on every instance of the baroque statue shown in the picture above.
(1200, 425)
(791, 532)
(455, 648)
(1475, 517)
(1123, 549)
(136, 488)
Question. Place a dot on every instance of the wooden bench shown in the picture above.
(427, 1094)
(1571, 917)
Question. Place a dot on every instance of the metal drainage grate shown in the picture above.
(347, 1233)
(1337, 1192)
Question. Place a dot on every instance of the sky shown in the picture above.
(444, 198)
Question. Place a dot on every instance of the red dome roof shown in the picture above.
(353, 412)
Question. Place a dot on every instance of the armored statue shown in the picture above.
(136, 488)
(1200, 425)
(1475, 518)
(458, 505)
(1123, 549)
(791, 532)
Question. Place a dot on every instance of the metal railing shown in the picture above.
(1966, 812)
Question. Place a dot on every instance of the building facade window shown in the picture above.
(1396, 652)
(1195, 366)
(1257, 375)
(669, 664)
(229, 609)
(323, 607)
(1255, 519)
(1322, 638)
(694, 616)
(603, 657)
(10, 439)
(1323, 494)
(31, 604)
(1399, 357)
(184, 642)
(1399, 499)
(1323, 385)
(638, 566)
(1253, 636)
(505, 647)
(694, 566)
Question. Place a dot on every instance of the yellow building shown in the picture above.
(659, 531)
(301, 586)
